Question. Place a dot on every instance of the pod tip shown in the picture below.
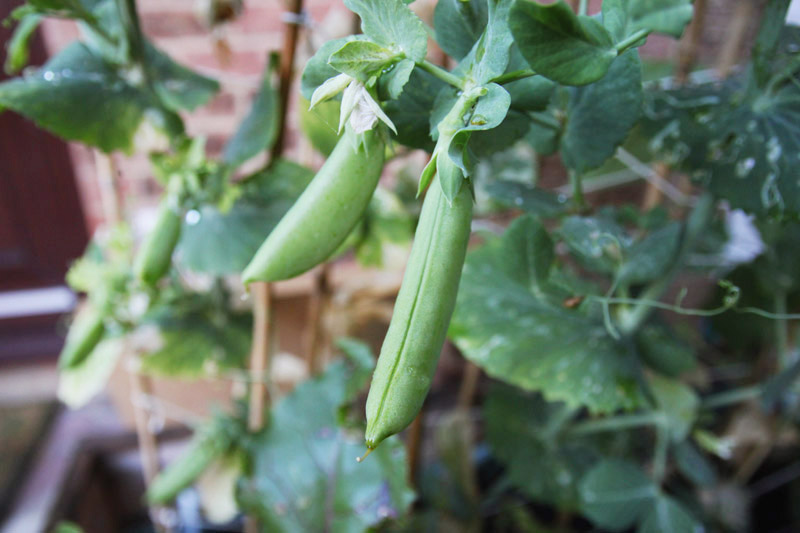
(360, 459)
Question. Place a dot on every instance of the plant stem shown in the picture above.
(781, 335)
(441, 73)
(616, 423)
(583, 7)
(660, 454)
(577, 190)
(731, 397)
(515, 75)
(631, 40)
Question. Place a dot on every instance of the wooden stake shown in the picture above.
(259, 358)
(690, 43)
(316, 335)
(737, 31)
(291, 30)
(413, 445)
(469, 384)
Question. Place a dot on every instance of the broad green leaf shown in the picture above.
(483, 143)
(459, 25)
(677, 402)
(659, 16)
(223, 242)
(392, 82)
(411, 111)
(361, 59)
(317, 70)
(511, 322)
(611, 105)
(519, 432)
(179, 88)
(597, 242)
(532, 200)
(562, 46)
(664, 351)
(17, 46)
(390, 23)
(528, 94)
(304, 473)
(693, 464)
(651, 257)
(542, 136)
(615, 494)
(78, 385)
(492, 50)
(197, 338)
(668, 516)
(79, 97)
(259, 130)
(615, 18)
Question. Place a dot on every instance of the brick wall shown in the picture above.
(235, 55)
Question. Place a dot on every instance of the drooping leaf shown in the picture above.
(560, 45)
(459, 25)
(178, 87)
(74, 94)
(259, 130)
(547, 469)
(223, 242)
(392, 24)
(600, 115)
(615, 494)
(510, 321)
(392, 83)
(304, 473)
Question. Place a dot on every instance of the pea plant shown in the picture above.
(625, 348)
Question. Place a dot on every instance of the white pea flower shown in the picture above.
(357, 104)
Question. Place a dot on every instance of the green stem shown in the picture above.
(660, 454)
(616, 423)
(631, 40)
(731, 397)
(441, 73)
(577, 190)
(583, 7)
(781, 335)
(631, 320)
(515, 75)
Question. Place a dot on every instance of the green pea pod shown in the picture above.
(84, 335)
(155, 256)
(209, 443)
(421, 316)
(326, 212)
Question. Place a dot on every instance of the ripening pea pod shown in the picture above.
(325, 214)
(155, 255)
(421, 316)
(84, 335)
(208, 444)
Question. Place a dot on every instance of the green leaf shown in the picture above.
(75, 94)
(532, 200)
(597, 242)
(17, 46)
(220, 243)
(562, 46)
(179, 88)
(528, 94)
(519, 431)
(459, 25)
(361, 59)
(664, 351)
(668, 516)
(659, 16)
(391, 83)
(491, 53)
(510, 321)
(651, 257)
(694, 465)
(197, 337)
(390, 23)
(615, 494)
(79, 384)
(411, 111)
(679, 404)
(304, 473)
(259, 130)
(611, 105)
(317, 70)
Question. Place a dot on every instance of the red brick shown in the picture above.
(171, 24)
(239, 63)
(222, 103)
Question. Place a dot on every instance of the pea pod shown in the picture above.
(155, 256)
(209, 443)
(421, 316)
(326, 212)
(85, 334)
